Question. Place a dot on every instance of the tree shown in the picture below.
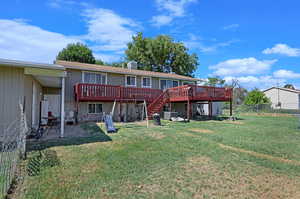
(161, 54)
(215, 81)
(256, 97)
(99, 62)
(78, 53)
(290, 86)
(239, 93)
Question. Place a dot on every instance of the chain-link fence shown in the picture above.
(268, 108)
(12, 148)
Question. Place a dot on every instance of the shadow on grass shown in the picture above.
(215, 118)
(40, 160)
(96, 135)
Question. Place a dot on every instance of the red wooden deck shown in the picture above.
(99, 92)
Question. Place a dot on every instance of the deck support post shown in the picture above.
(210, 109)
(120, 111)
(62, 107)
(230, 107)
(188, 109)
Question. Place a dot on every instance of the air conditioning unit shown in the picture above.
(132, 65)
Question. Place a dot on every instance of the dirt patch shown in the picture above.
(202, 131)
(261, 155)
(157, 135)
(200, 177)
(226, 122)
(212, 182)
(269, 114)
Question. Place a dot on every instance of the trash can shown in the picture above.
(156, 119)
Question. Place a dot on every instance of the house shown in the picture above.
(89, 91)
(26, 84)
(283, 98)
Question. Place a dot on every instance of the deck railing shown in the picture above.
(98, 92)
(101, 92)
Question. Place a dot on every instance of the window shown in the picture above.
(146, 82)
(95, 108)
(165, 84)
(94, 78)
(188, 83)
(130, 81)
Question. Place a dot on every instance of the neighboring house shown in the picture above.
(89, 91)
(283, 98)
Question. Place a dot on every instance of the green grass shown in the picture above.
(172, 161)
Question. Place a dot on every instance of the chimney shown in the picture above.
(132, 65)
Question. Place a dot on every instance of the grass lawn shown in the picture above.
(255, 157)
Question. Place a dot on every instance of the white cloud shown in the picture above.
(171, 10)
(261, 82)
(19, 40)
(196, 42)
(245, 66)
(107, 34)
(60, 3)
(288, 74)
(283, 49)
(231, 27)
(107, 57)
(161, 20)
(109, 31)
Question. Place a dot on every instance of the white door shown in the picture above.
(53, 104)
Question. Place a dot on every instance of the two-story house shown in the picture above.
(90, 91)
(135, 86)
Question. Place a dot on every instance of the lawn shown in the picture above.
(254, 157)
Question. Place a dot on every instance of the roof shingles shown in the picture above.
(126, 71)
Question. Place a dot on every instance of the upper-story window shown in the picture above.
(165, 84)
(188, 83)
(94, 78)
(146, 82)
(130, 80)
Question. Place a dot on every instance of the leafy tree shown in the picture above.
(215, 81)
(77, 52)
(99, 62)
(161, 54)
(290, 86)
(256, 97)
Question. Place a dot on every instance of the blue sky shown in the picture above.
(254, 41)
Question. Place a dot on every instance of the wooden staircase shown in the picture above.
(157, 105)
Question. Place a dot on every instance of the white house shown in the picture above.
(283, 98)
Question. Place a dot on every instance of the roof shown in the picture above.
(126, 71)
(284, 89)
(24, 64)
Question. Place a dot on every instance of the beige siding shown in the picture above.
(28, 90)
(288, 100)
(73, 77)
(115, 79)
(155, 82)
(51, 91)
(129, 111)
(11, 94)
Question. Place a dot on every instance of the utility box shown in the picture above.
(169, 115)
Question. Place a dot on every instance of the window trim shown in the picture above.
(142, 81)
(134, 81)
(88, 110)
(167, 80)
(83, 72)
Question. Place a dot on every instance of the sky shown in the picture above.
(256, 42)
